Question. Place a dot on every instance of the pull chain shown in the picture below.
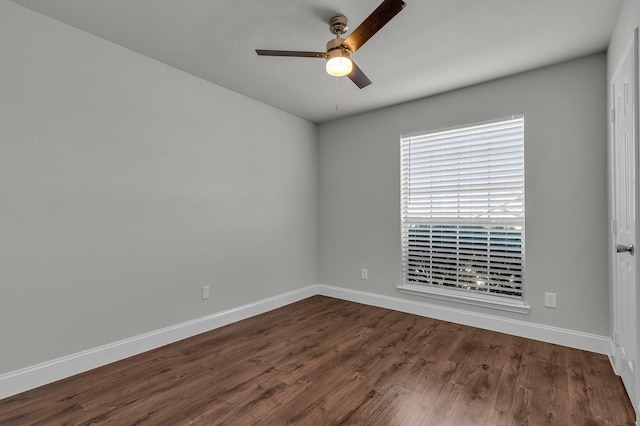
(338, 34)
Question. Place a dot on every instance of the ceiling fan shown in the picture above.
(339, 50)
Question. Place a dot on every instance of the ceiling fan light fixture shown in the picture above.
(339, 66)
(338, 59)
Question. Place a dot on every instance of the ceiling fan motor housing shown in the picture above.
(335, 48)
(338, 24)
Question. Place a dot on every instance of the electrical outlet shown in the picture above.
(205, 292)
(550, 300)
(365, 274)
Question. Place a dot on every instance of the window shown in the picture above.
(462, 201)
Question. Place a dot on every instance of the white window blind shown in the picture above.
(463, 208)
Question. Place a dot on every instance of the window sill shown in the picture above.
(453, 295)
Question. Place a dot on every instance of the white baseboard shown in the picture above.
(47, 372)
(544, 333)
(28, 378)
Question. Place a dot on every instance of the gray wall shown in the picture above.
(566, 192)
(127, 185)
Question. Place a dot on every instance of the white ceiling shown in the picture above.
(432, 46)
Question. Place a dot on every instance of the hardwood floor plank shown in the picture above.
(550, 383)
(398, 406)
(511, 361)
(330, 362)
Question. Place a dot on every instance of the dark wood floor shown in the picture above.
(324, 361)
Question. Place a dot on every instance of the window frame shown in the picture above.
(441, 291)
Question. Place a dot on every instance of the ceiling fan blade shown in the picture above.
(294, 53)
(358, 77)
(374, 22)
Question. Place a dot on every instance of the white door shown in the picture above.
(625, 168)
